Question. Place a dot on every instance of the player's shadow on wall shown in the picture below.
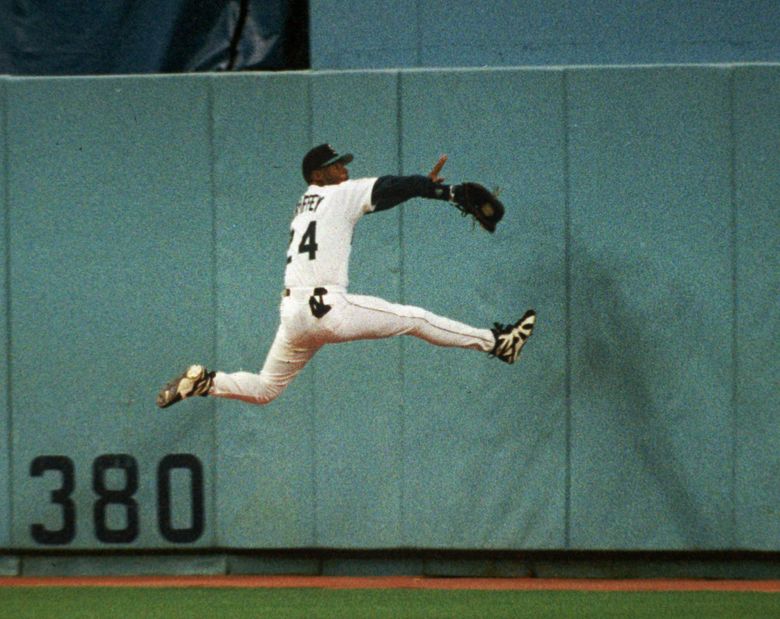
(625, 380)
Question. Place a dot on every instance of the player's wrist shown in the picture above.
(440, 191)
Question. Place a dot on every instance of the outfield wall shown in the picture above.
(146, 222)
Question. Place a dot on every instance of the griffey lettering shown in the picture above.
(309, 202)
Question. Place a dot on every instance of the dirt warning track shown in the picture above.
(397, 582)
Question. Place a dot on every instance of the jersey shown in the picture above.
(321, 233)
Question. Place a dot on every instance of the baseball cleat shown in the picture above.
(510, 339)
(196, 380)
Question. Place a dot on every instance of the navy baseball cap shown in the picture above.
(320, 157)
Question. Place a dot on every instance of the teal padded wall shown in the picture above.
(5, 428)
(112, 284)
(651, 308)
(265, 485)
(757, 274)
(455, 404)
(148, 222)
(360, 401)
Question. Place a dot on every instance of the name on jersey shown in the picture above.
(308, 203)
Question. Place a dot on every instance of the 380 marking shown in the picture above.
(123, 497)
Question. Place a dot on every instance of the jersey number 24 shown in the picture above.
(308, 244)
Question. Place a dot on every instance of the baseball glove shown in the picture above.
(475, 200)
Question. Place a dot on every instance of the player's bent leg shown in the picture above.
(246, 386)
(282, 364)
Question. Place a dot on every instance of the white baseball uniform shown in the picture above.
(316, 308)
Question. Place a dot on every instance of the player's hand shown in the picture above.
(434, 173)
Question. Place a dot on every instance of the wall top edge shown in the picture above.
(387, 71)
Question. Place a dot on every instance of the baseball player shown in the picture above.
(316, 308)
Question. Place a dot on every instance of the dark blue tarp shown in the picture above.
(95, 37)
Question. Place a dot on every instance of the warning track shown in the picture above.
(397, 582)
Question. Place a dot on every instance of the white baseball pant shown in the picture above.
(351, 317)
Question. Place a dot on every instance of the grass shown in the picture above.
(118, 603)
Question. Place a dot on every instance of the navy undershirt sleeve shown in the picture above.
(390, 191)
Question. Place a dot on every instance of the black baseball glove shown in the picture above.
(475, 200)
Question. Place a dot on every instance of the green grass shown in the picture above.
(119, 603)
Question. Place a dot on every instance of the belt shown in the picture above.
(314, 291)
(318, 291)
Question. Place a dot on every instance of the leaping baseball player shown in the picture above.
(316, 308)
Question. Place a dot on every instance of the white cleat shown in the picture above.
(196, 380)
(510, 339)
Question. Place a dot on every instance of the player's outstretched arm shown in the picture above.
(390, 191)
(470, 198)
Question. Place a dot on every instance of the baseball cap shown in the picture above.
(320, 157)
